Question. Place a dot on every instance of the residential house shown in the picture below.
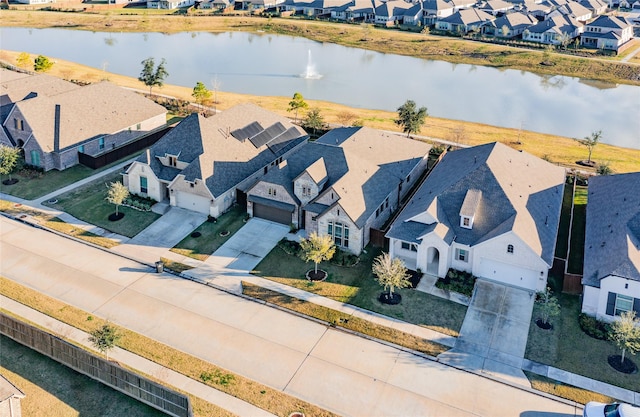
(575, 10)
(314, 7)
(496, 7)
(10, 397)
(539, 10)
(391, 12)
(356, 11)
(169, 4)
(510, 25)
(203, 163)
(413, 15)
(463, 4)
(556, 30)
(464, 21)
(53, 129)
(597, 7)
(607, 32)
(611, 273)
(345, 183)
(35, 1)
(489, 210)
(432, 10)
(219, 5)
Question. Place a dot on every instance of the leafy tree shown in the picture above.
(604, 169)
(625, 332)
(314, 120)
(297, 103)
(390, 273)
(548, 305)
(8, 159)
(590, 142)
(504, 30)
(23, 60)
(105, 338)
(201, 93)
(151, 75)
(42, 64)
(317, 248)
(410, 118)
(116, 194)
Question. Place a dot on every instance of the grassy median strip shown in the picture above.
(569, 392)
(344, 320)
(238, 386)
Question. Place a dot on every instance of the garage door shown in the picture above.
(271, 213)
(193, 202)
(509, 274)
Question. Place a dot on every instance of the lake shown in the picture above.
(275, 65)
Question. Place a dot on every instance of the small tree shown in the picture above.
(314, 120)
(625, 332)
(23, 60)
(590, 142)
(116, 194)
(201, 93)
(8, 160)
(548, 305)
(390, 273)
(346, 117)
(297, 103)
(410, 118)
(458, 135)
(151, 75)
(42, 64)
(105, 338)
(317, 249)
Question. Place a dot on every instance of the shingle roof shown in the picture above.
(612, 236)
(435, 5)
(392, 8)
(520, 193)
(213, 154)
(468, 17)
(558, 24)
(495, 5)
(514, 20)
(609, 22)
(85, 113)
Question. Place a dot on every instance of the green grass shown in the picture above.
(356, 285)
(576, 253)
(344, 320)
(177, 267)
(562, 242)
(88, 203)
(53, 389)
(201, 247)
(567, 347)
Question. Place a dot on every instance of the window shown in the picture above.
(101, 143)
(410, 246)
(509, 248)
(272, 191)
(173, 160)
(266, 169)
(81, 148)
(623, 303)
(138, 126)
(18, 124)
(143, 185)
(306, 191)
(466, 221)
(339, 232)
(35, 158)
(386, 203)
(462, 255)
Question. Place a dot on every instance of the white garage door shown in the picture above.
(193, 202)
(509, 274)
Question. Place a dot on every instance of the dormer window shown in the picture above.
(469, 208)
(466, 222)
(173, 160)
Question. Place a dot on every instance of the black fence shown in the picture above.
(113, 155)
(108, 373)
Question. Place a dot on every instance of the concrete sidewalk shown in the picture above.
(124, 357)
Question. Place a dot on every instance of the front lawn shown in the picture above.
(209, 238)
(576, 251)
(88, 203)
(567, 347)
(356, 285)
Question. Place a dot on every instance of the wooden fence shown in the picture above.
(106, 372)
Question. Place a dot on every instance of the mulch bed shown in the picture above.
(10, 182)
(393, 299)
(545, 326)
(587, 163)
(626, 367)
(113, 217)
(314, 276)
(414, 278)
(196, 234)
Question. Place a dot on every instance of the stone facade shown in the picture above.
(274, 192)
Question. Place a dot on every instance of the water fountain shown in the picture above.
(310, 73)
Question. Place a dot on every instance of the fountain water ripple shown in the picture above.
(310, 72)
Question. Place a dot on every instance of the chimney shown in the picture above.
(56, 129)
(148, 156)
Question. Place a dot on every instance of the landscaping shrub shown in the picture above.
(344, 258)
(594, 327)
(289, 246)
(457, 281)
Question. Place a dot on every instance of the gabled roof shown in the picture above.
(85, 113)
(468, 17)
(574, 9)
(496, 5)
(612, 235)
(213, 154)
(363, 166)
(514, 20)
(613, 22)
(435, 5)
(520, 193)
(594, 4)
(559, 24)
(392, 8)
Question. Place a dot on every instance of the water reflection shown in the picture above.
(552, 81)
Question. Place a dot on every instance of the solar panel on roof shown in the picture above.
(246, 132)
(283, 141)
(267, 135)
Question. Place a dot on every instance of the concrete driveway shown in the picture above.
(239, 255)
(493, 337)
(163, 234)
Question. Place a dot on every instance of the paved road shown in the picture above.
(346, 374)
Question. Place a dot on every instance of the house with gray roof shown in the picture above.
(496, 7)
(53, 129)
(556, 30)
(391, 12)
(597, 7)
(510, 25)
(433, 10)
(611, 273)
(342, 185)
(356, 11)
(465, 20)
(203, 163)
(607, 32)
(489, 210)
